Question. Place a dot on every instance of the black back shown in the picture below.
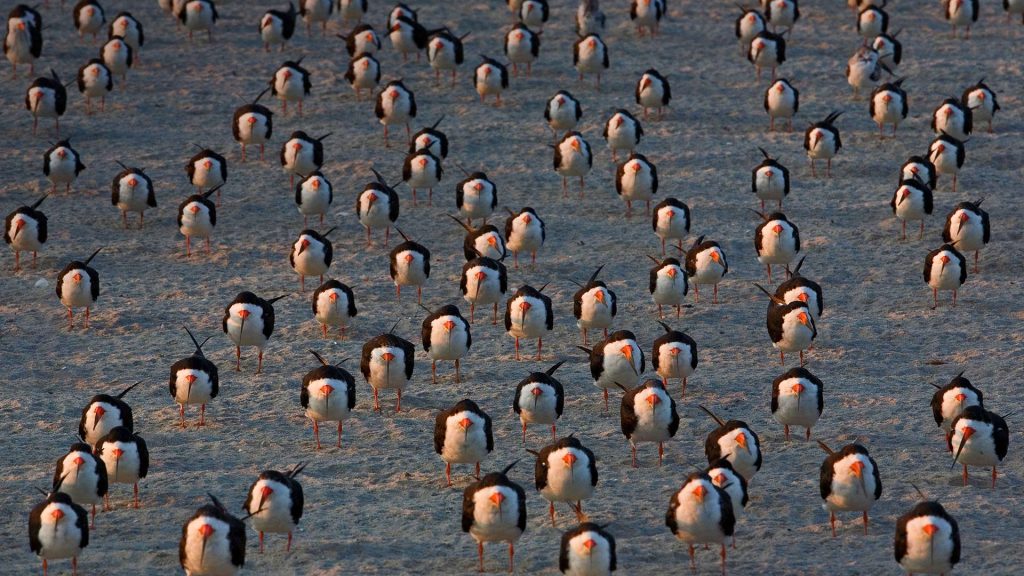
(441, 422)
(925, 509)
(827, 471)
(391, 341)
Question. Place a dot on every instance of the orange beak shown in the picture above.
(326, 389)
(465, 423)
(930, 529)
(960, 397)
(798, 388)
(588, 545)
(194, 209)
(77, 278)
(387, 356)
(409, 258)
(569, 459)
(857, 468)
(802, 317)
(243, 314)
(777, 229)
(497, 498)
(57, 514)
(191, 379)
(525, 307)
(448, 325)
(653, 400)
(133, 182)
(720, 480)
(393, 94)
(741, 439)
(699, 493)
(671, 272)
(423, 162)
(205, 531)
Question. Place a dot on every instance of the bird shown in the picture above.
(587, 550)
(566, 471)
(961, 13)
(378, 205)
(61, 165)
(446, 336)
(313, 11)
(363, 73)
(927, 539)
(490, 77)
(888, 104)
(594, 305)
(748, 25)
(313, 196)
(590, 56)
(199, 15)
(776, 240)
(431, 139)
(947, 154)
(206, 170)
(119, 57)
(945, 268)
(671, 221)
(25, 229)
(616, 361)
(361, 40)
(23, 43)
(782, 13)
(979, 437)
(781, 100)
(286, 500)
(636, 180)
(767, 50)
(736, 442)
(724, 476)
(132, 191)
(822, 142)
(78, 286)
(850, 482)
(967, 228)
(646, 14)
(408, 36)
(572, 157)
(622, 132)
(921, 168)
(253, 123)
(534, 13)
(248, 308)
(311, 255)
(889, 48)
(95, 80)
(484, 281)
(589, 18)
(212, 542)
(802, 289)
(197, 216)
(82, 476)
(912, 200)
(126, 457)
(422, 169)
(103, 413)
(46, 97)
(334, 305)
(520, 322)
(674, 355)
(872, 22)
(648, 414)
(1013, 8)
(791, 325)
(539, 399)
(387, 363)
(278, 27)
(483, 241)
(653, 90)
(462, 435)
(953, 118)
(797, 399)
(668, 284)
(769, 180)
(562, 112)
(524, 232)
(701, 513)
(476, 196)
(864, 69)
(58, 528)
(318, 386)
(410, 266)
(705, 263)
(949, 401)
(494, 510)
(291, 83)
(445, 53)
(981, 101)
(130, 30)
(522, 46)
(302, 154)
(194, 380)
(350, 10)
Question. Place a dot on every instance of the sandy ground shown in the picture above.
(379, 504)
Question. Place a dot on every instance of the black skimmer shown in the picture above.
(483, 241)
(82, 476)
(802, 289)
(767, 50)
(668, 284)
(927, 540)
(197, 16)
(890, 50)
(864, 70)
(431, 139)
(522, 46)
(589, 18)
(253, 123)
(566, 471)
(674, 355)
(850, 482)
(749, 24)
(361, 40)
(949, 401)
(622, 132)
(980, 99)
(95, 80)
(352, 10)
(636, 180)
(25, 229)
(791, 325)
(62, 164)
(724, 476)
(47, 97)
(961, 13)
(484, 281)
(822, 142)
(318, 389)
(194, 380)
(562, 112)
(769, 180)
(701, 513)
(912, 200)
(671, 221)
(979, 437)
(410, 266)
(302, 154)
(334, 306)
(539, 399)
(78, 286)
(378, 205)
(314, 11)
(313, 196)
(781, 100)
(103, 413)
(275, 503)
(387, 363)
(278, 27)
(616, 361)
(422, 169)
(590, 56)
(130, 30)
(572, 158)
(588, 549)
(494, 510)
(212, 542)
(119, 57)
(736, 442)
(534, 13)
(945, 268)
(797, 399)
(446, 336)
(445, 53)
(132, 191)
(206, 170)
(919, 167)
(126, 457)
(776, 240)
(594, 305)
(888, 105)
(967, 228)
(524, 232)
(953, 118)
(528, 314)
(248, 309)
(23, 43)
(653, 91)
(705, 264)
(408, 37)
(646, 14)
(648, 414)
(291, 82)
(311, 255)
(490, 78)
(462, 435)
(872, 22)
(476, 196)
(58, 528)
(197, 216)
(947, 154)
(363, 73)
(781, 14)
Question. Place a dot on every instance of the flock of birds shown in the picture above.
(709, 503)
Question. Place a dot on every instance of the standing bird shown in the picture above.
(524, 232)
(945, 268)
(431, 139)
(197, 216)
(199, 15)
(476, 196)
(119, 57)
(78, 286)
(313, 11)
(446, 336)
(462, 435)
(912, 200)
(23, 43)
(636, 180)
(311, 255)
(277, 27)
(377, 206)
(980, 438)
(921, 168)
(562, 112)
(253, 124)
(769, 180)
(967, 228)
(422, 170)
(490, 77)
(528, 314)
(648, 414)
(522, 46)
(484, 241)
(777, 241)
(890, 50)
(782, 13)
(61, 165)
(334, 305)
(194, 380)
(494, 510)
(539, 399)
(566, 471)
(653, 91)
(363, 73)
(589, 18)
(797, 399)
(724, 476)
(572, 157)
(791, 325)
(616, 361)
(318, 389)
(352, 10)
(484, 281)
(587, 550)
(361, 40)
(590, 56)
(736, 442)
(95, 80)
(671, 221)
(82, 476)
(622, 132)
(130, 29)
(58, 528)
(212, 542)
(126, 457)
(674, 355)
(801, 289)
(668, 284)
(132, 191)
(594, 305)
(981, 101)
(387, 363)
(701, 513)
(705, 264)
(445, 52)
(953, 118)
(275, 503)
(103, 413)
(534, 13)
(947, 154)
(888, 105)
(749, 24)
(291, 83)
(313, 196)
(248, 309)
(408, 37)
(927, 539)
(863, 70)
(206, 170)
(46, 97)
(767, 50)
(822, 142)
(872, 22)
(850, 482)
(961, 13)
(951, 400)
(646, 14)
(781, 100)
(25, 229)
(410, 266)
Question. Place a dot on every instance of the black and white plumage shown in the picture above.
(1013, 8)
(62, 164)
(863, 70)
(476, 196)
(410, 266)
(668, 284)
(777, 241)
(587, 550)
(534, 13)
(945, 268)
(334, 305)
(328, 395)
(352, 10)
(652, 91)
(46, 97)
(961, 13)
(622, 132)
(927, 540)
(767, 50)
(797, 399)
(781, 100)
(912, 200)
(445, 53)
(524, 232)
(199, 15)
(769, 180)
(919, 168)
(822, 142)
(705, 264)
(103, 413)
(748, 25)
(562, 112)
(302, 154)
(82, 476)
(311, 255)
(951, 400)
(431, 139)
(376, 206)
(408, 37)
(206, 170)
(361, 40)
(636, 180)
(872, 21)
(566, 471)
(947, 154)
(130, 29)
(446, 335)
(522, 46)
(484, 281)
(126, 457)
(23, 42)
(25, 229)
(539, 399)
(363, 73)
(648, 414)
(490, 78)
(212, 542)
(781, 13)
(590, 56)
(132, 191)
(494, 510)
(58, 528)
(118, 56)
(278, 27)
(95, 80)
(849, 482)
(313, 11)
(616, 361)
(701, 513)
(594, 306)
(194, 380)
(799, 288)
(253, 124)
(572, 158)
(422, 169)
(387, 363)
(275, 502)
(889, 48)
(590, 19)
(791, 325)
(197, 216)
(724, 476)
(981, 100)
(291, 83)
(674, 355)
(78, 286)
(249, 321)
(462, 435)
(888, 105)
(529, 314)
(967, 228)
(484, 241)
(953, 118)
(313, 196)
(735, 441)
(979, 437)
(671, 221)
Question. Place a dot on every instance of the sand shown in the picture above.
(379, 504)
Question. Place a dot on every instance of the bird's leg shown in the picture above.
(565, 188)
(935, 298)
(661, 452)
(419, 294)
(398, 403)
(769, 273)
(808, 434)
(243, 150)
(87, 310)
(477, 471)
(17, 260)
(975, 271)
(632, 448)
(524, 432)
(479, 550)
(660, 313)
(785, 429)
(693, 561)
(202, 414)
(551, 511)
(458, 376)
(814, 173)
(584, 330)
(965, 474)
(828, 168)
(340, 428)
(715, 301)
(433, 372)
(782, 358)
(832, 521)
(261, 152)
(801, 357)
(582, 187)
(605, 400)
(494, 321)
(995, 474)
(553, 432)
(188, 246)
(261, 542)
(517, 348)
(376, 400)
(181, 413)
(238, 358)
(288, 547)
(771, 123)
(386, 143)
(905, 228)
(259, 368)
(71, 319)
(511, 557)
(723, 543)
(135, 488)
(865, 522)
(540, 341)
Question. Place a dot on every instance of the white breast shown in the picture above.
(672, 223)
(332, 313)
(76, 294)
(595, 314)
(95, 430)
(911, 207)
(290, 88)
(28, 238)
(464, 446)
(677, 365)
(979, 449)
(742, 459)
(59, 539)
(617, 368)
(699, 522)
(969, 235)
(593, 562)
(777, 248)
(652, 423)
(312, 261)
(409, 273)
(670, 290)
(771, 184)
(533, 323)
(126, 469)
(216, 557)
(251, 334)
(797, 409)
(568, 483)
(796, 336)
(525, 237)
(947, 278)
(387, 375)
(847, 492)
(328, 400)
(255, 133)
(951, 408)
(537, 409)
(277, 509)
(441, 54)
(445, 344)
(80, 482)
(198, 393)
(928, 555)
(492, 523)
(484, 291)
(196, 223)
